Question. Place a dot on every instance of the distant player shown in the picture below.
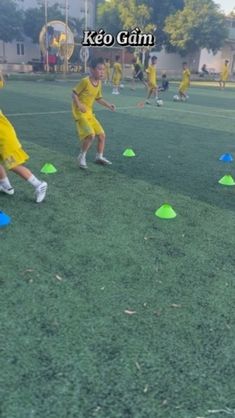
(165, 83)
(107, 71)
(117, 75)
(88, 127)
(224, 75)
(152, 79)
(185, 83)
(13, 157)
(137, 73)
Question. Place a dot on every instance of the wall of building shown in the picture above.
(19, 52)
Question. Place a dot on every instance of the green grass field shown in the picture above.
(72, 266)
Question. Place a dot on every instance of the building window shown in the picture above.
(20, 48)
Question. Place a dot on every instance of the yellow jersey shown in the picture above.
(107, 67)
(152, 74)
(87, 93)
(117, 68)
(186, 77)
(225, 72)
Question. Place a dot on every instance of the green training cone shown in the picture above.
(227, 181)
(129, 153)
(48, 169)
(165, 212)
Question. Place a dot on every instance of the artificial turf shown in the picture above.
(108, 311)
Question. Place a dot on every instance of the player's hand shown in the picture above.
(112, 107)
(82, 108)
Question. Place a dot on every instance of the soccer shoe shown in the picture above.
(102, 160)
(7, 190)
(41, 192)
(82, 162)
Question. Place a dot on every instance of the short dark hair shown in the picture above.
(184, 63)
(96, 61)
(154, 58)
(117, 58)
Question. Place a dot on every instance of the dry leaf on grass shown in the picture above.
(58, 277)
(129, 312)
(175, 305)
(158, 312)
(137, 365)
(146, 388)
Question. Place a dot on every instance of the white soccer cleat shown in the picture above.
(102, 160)
(41, 191)
(7, 190)
(82, 162)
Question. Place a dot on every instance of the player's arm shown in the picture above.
(104, 103)
(77, 102)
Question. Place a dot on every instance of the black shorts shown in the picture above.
(140, 76)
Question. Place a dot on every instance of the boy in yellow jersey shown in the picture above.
(185, 83)
(152, 79)
(107, 71)
(84, 95)
(117, 75)
(224, 74)
(12, 156)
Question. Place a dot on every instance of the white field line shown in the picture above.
(172, 109)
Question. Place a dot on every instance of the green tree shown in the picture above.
(108, 16)
(35, 20)
(198, 25)
(161, 9)
(135, 14)
(115, 15)
(11, 21)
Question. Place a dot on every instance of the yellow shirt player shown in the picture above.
(12, 157)
(107, 71)
(117, 75)
(224, 74)
(185, 83)
(88, 127)
(152, 79)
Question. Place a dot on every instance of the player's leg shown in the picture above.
(5, 185)
(86, 134)
(39, 185)
(100, 159)
(85, 145)
(13, 157)
(101, 139)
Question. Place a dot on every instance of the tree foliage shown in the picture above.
(11, 21)
(108, 16)
(198, 25)
(35, 20)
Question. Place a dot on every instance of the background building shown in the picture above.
(24, 51)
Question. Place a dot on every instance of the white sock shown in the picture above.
(34, 181)
(6, 183)
(99, 155)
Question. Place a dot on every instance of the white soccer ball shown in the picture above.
(176, 98)
(121, 86)
(159, 102)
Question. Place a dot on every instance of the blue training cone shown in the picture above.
(226, 158)
(4, 219)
